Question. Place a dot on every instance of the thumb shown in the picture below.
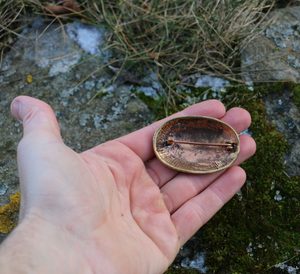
(36, 150)
(37, 117)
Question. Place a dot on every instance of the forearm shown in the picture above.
(34, 248)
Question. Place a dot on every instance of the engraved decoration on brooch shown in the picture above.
(196, 144)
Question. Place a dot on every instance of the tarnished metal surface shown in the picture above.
(196, 144)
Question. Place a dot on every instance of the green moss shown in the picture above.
(8, 214)
(281, 86)
(157, 106)
(296, 95)
(252, 234)
(176, 270)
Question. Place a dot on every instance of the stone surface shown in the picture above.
(54, 64)
(286, 117)
(274, 54)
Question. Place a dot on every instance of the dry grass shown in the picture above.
(181, 37)
(10, 12)
(175, 37)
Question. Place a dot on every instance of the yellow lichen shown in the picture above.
(8, 213)
(29, 79)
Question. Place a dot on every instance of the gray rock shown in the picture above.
(286, 116)
(274, 55)
(69, 75)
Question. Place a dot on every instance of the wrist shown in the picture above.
(36, 246)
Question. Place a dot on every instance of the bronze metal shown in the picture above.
(227, 145)
(196, 144)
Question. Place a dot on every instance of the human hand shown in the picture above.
(114, 208)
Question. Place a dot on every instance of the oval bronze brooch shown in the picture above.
(196, 144)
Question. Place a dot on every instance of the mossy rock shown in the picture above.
(296, 95)
(257, 229)
(174, 270)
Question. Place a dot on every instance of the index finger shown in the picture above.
(140, 141)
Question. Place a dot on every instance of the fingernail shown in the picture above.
(16, 109)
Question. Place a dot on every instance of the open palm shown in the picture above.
(116, 204)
